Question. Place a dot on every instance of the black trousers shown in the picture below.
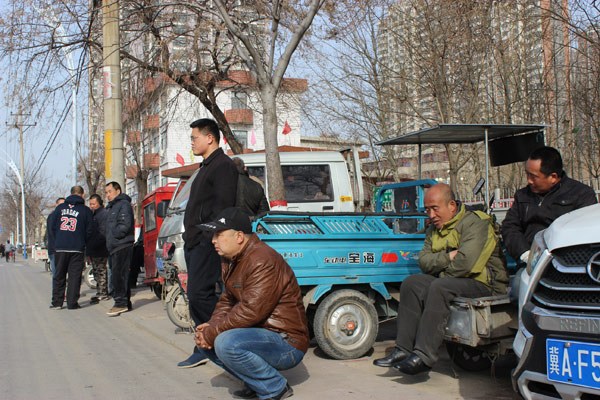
(424, 310)
(69, 265)
(204, 269)
(119, 262)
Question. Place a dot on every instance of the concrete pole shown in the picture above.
(24, 226)
(113, 132)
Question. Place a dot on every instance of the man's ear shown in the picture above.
(453, 205)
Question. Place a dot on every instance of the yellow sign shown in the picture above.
(108, 154)
(344, 199)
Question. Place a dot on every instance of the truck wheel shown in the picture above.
(346, 324)
(157, 289)
(178, 309)
(88, 277)
(467, 357)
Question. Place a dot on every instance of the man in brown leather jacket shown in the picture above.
(259, 325)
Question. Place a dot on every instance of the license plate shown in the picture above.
(159, 264)
(574, 363)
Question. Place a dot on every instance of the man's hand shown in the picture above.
(452, 254)
(199, 337)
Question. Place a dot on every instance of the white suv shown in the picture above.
(558, 341)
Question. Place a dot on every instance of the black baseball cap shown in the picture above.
(230, 218)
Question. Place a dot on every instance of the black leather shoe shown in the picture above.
(391, 359)
(245, 393)
(285, 393)
(412, 365)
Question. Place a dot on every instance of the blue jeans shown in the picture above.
(255, 356)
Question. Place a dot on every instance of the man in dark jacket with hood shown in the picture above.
(250, 194)
(71, 230)
(119, 243)
(97, 251)
(549, 194)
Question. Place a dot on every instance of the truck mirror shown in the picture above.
(161, 210)
(478, 186)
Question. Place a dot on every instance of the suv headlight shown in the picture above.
(537, 249)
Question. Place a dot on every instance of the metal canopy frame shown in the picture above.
(463, 134)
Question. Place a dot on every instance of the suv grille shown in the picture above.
(569, 288)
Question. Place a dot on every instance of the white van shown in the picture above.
(315, 181)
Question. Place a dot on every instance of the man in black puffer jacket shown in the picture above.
(71, 231)
(119, 243)
(549, 194)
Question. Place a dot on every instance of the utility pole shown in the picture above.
(114, 159)
(19, 124)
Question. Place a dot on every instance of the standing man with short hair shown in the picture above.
(96, 249)
(213, 190)
(71, 230)
(549, 194)
(119, 243)
(49, 236)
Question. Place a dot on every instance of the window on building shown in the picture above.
(242, 137)
(239, 100)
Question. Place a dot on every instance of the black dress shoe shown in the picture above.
(245, 393)
(412, 365)
(391, 359)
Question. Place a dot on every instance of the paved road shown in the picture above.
(83, 354)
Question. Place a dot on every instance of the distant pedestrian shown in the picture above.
(119, 243)
(9, 250)
(96, 250)
(49, 236)
(250, 194)
(71, 230)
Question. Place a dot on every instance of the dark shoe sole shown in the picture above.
(192, 365)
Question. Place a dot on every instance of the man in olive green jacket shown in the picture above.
(461, 257)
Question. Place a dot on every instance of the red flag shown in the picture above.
(180, 159)
(286, 128)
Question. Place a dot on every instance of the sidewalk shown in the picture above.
(317, 375)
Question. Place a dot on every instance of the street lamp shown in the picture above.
(12, 166)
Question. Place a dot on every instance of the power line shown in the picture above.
(52, 139)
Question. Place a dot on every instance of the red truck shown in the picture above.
(154, 210)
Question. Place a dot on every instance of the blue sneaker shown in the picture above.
(192, 361)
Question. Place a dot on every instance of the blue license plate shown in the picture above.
(159, 264)
(575, 363)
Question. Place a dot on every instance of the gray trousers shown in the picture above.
(424, 310)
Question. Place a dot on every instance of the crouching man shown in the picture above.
(461, 257)
(259, 325)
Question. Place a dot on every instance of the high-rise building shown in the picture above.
(475, 62)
